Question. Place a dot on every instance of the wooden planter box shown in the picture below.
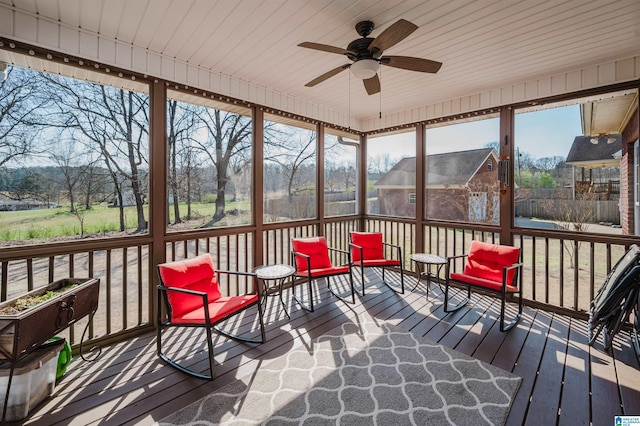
(23, 332)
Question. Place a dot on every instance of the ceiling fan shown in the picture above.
(366, 54)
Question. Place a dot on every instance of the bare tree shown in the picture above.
(548, 164)
(34, 185)
(79, 212)
(380, 164)
(477, 201)
(190, 176)
(94, 183)
(20, 107)
(66, 157)
(113, 122)
(182, 124)
(332, 176)
(292, 156)
(228, 136)
(240, 176)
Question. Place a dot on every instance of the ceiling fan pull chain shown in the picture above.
(349, 100)
(380, 96)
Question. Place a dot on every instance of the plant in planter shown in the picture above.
(32, 300)
(29, 320)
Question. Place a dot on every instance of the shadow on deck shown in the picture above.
(564, 380)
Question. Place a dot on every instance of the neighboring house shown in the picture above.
(589, 153)
(460, 185)
(7, 204)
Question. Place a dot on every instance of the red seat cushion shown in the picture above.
(371, 243)
(487, 261)
(378, 262)
(493, 285)
(197, 274)
(316, 248)
(218, 309)
(323, 272)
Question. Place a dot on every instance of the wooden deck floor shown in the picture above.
(564, 380)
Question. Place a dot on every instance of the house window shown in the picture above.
(490, 164)
(412, 198)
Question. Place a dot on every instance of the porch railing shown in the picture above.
(121, 265)
(561, 269)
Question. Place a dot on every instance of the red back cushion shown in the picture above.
(196, 274)
(488, 261)
(316, 248)
(371, 243)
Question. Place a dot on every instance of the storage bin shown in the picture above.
(34, 379)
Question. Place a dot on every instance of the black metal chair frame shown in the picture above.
(383, 267)
(310, 279)
(208, 325)
(503, 291)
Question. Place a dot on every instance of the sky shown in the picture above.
(544, 133)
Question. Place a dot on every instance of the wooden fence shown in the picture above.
(588, 211)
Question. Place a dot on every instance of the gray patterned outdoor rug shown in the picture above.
(363, 372)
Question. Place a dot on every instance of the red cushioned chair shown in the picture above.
(311, 259)
(491, 267)
(367, 250)
(191, 294)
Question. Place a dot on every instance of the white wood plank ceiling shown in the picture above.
(485, 46)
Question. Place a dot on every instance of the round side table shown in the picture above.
(277, 273)
(424, 261)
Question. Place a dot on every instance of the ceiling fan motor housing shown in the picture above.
(359, 49)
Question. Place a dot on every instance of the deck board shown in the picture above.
(604, 389)
(626, 367)
(545, 397)
(129, 385)
(478, 333)
(462, 328)
(575, 395)
(529, 361)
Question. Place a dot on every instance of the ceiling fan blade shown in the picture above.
(324, 48)
(392, 35)
(372, 85)
(327, 75)
(411, 64)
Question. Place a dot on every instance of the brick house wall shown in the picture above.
(453, 204)
(447, 204)
(395, 202)
(441, 203)
(627, 184)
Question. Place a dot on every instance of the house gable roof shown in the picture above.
(446, 169)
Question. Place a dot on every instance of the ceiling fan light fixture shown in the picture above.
(594, 140)
(611, 139)
(365, 68)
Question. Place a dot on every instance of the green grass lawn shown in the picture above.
(56, 222)
(59, 222)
